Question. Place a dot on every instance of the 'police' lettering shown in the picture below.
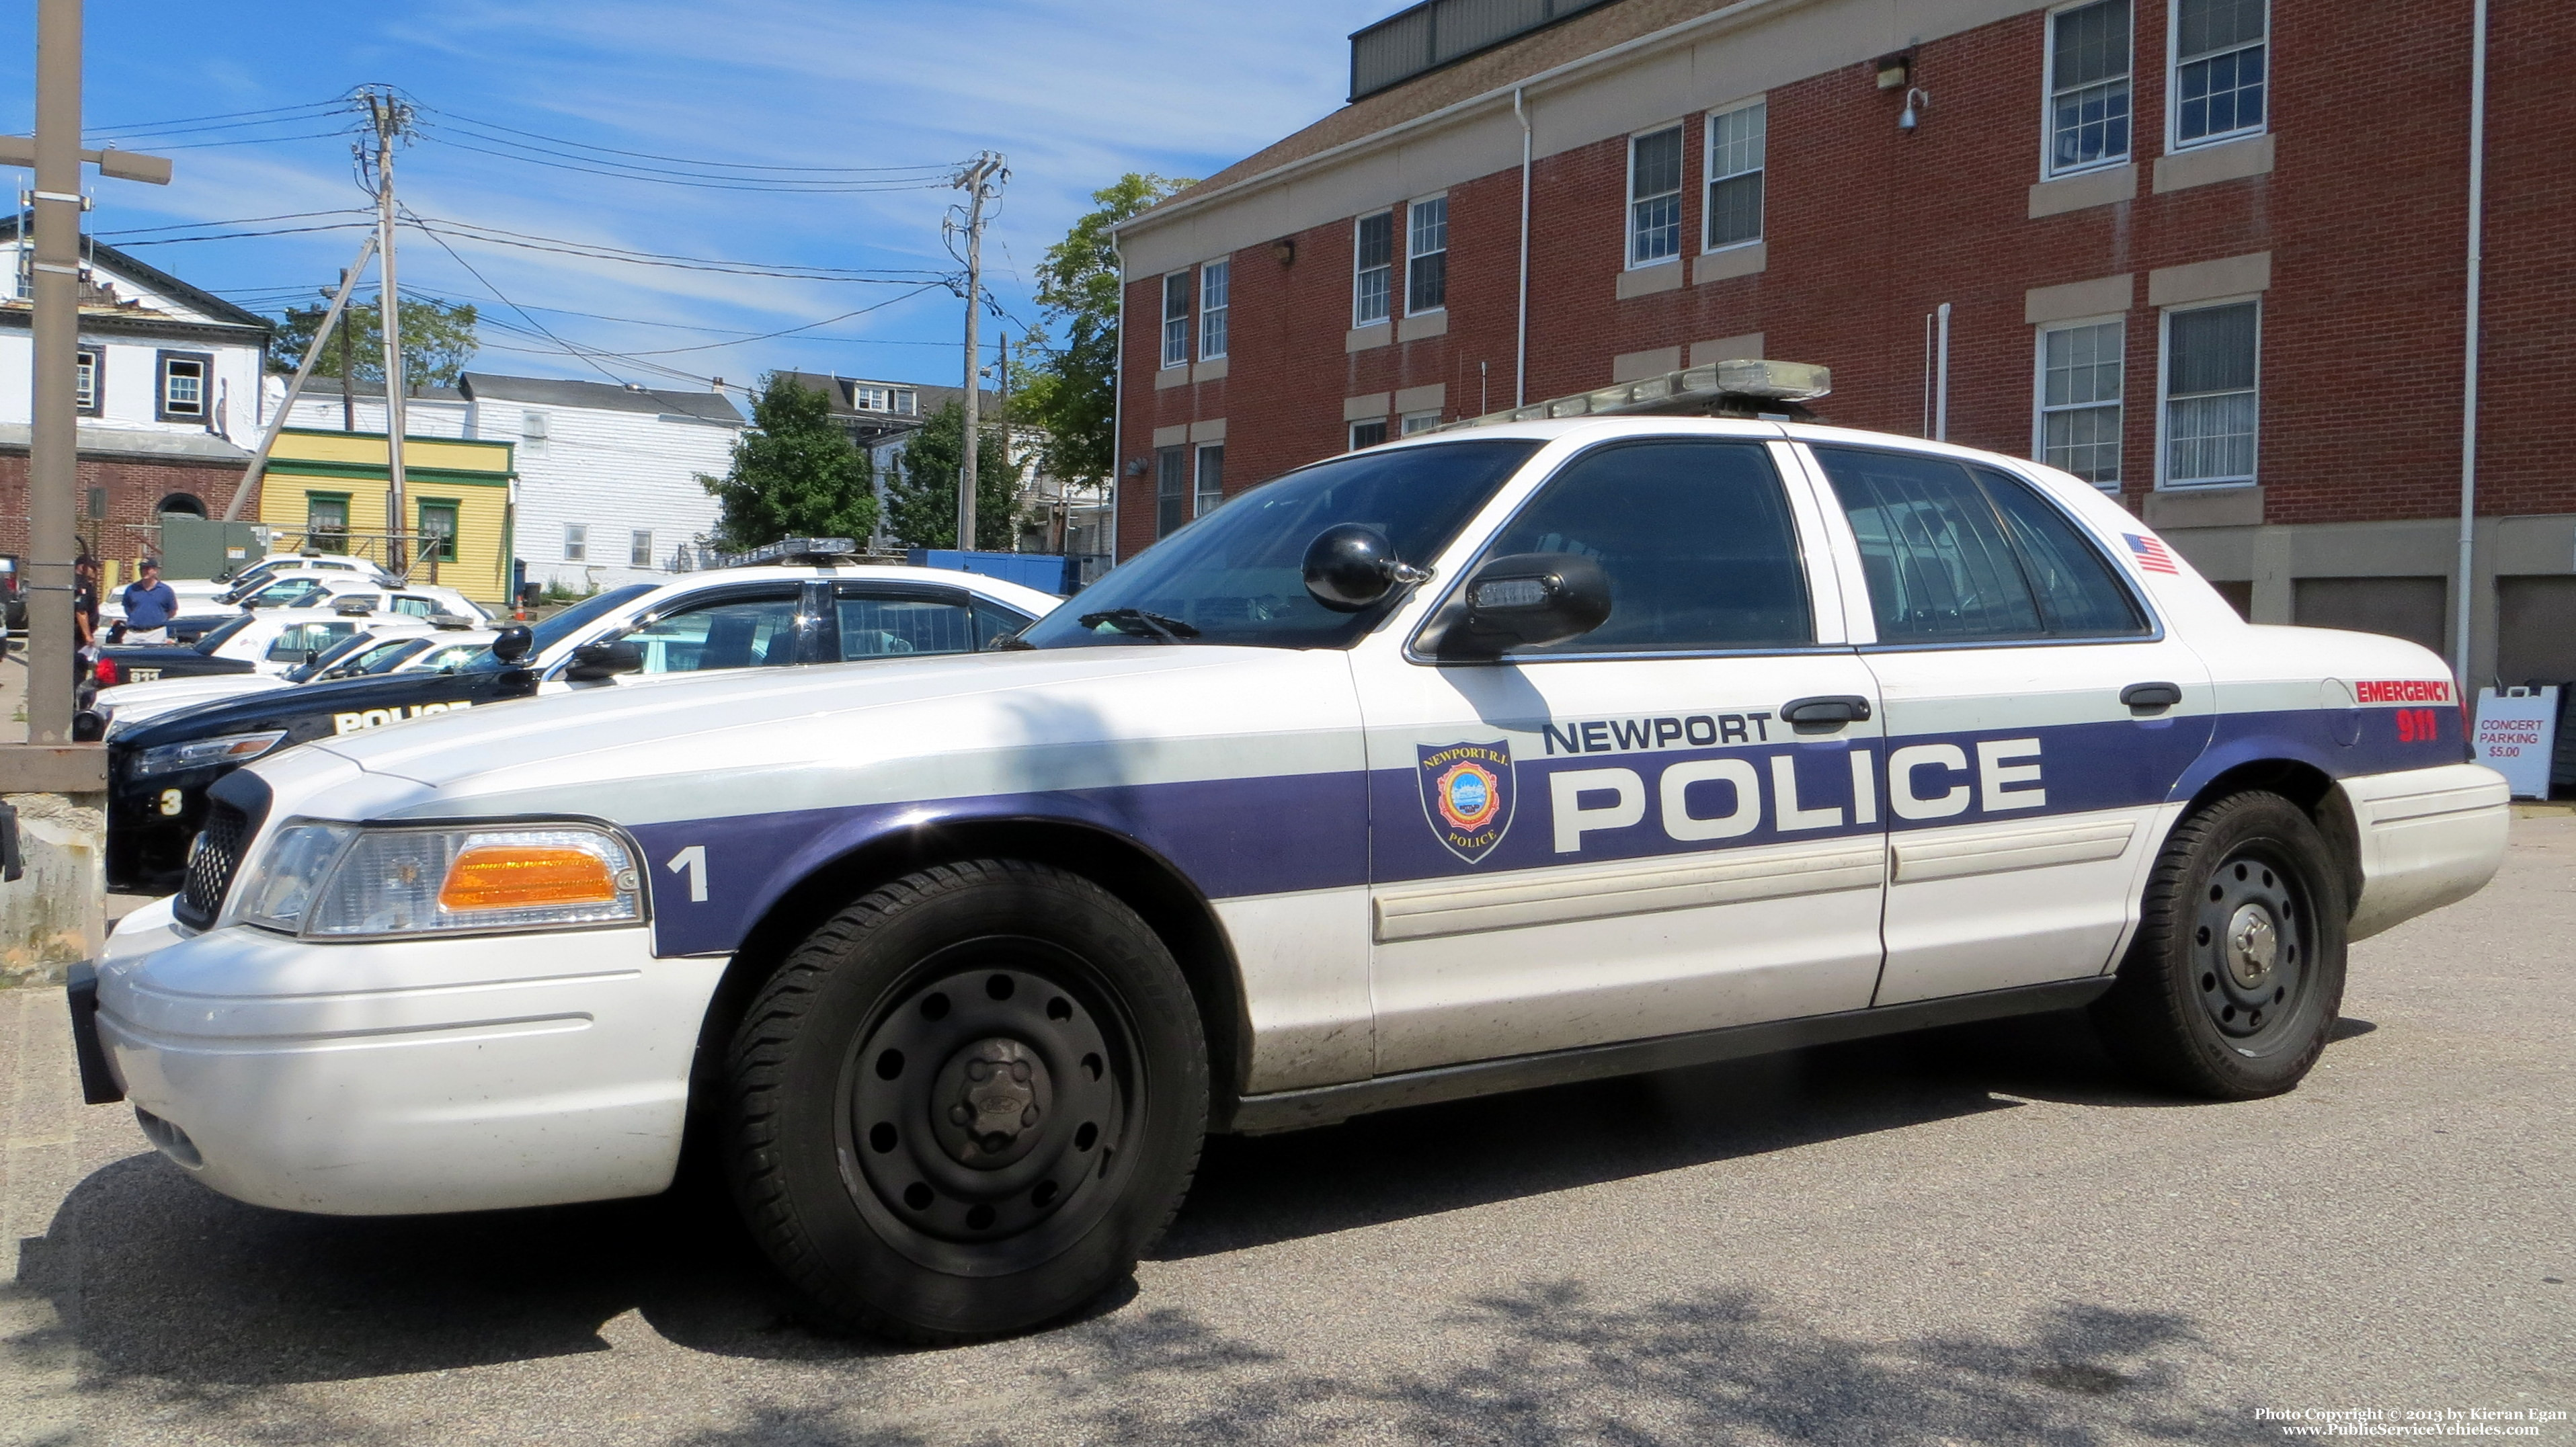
(1904, 792)
(1995, 777)
(1675, 787)
(1565, 796)
(350, 723)
(1784, 800)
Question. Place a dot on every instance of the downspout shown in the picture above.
(1520, 338)
(1941, 385)
(2469, 365)
(1118, 400)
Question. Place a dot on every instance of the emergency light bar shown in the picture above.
(797, 551)
(1745, 388)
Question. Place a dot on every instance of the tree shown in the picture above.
(1072, 391)
(921, 499)
(795, 474)
(438, 340)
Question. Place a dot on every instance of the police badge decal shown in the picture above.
(1467, 794)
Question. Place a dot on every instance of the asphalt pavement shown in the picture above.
(1980, 1235)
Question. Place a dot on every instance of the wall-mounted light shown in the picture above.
(1917, 101)
(1285, 249)
(1895, 71)
(1136, 467)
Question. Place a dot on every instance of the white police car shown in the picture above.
(1475, 762)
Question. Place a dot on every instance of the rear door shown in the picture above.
(2025, 797)
(756, 625)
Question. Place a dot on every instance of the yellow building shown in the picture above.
(329, 490)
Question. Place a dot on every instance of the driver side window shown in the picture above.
(736, 632)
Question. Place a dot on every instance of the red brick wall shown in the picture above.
(134, 493)
(1870, 228)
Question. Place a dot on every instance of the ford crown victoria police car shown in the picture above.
(1551, 751)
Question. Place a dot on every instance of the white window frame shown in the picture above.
(2164, 377)
(1359, 272)
(576, 542)
(1411, 210)
(1351, 433)
(1176, 344)
(2173, 84)
(96, 357)
(1200, 502)
(1414, 424)
(1709, 177)
(1680, 189)
(2039, 408)
(1212, 315)
(639, 540)
(2048, 167)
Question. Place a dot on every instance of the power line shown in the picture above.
(232, 221)
(595, 251)
(781, 186)
(253, 140)
(471, 122)
(167, 127)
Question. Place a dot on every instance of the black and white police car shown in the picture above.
(781, 605)
(1478, 761)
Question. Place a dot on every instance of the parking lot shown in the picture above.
(1975, 1236)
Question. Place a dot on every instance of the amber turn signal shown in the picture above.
(522, 876)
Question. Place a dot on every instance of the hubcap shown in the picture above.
(2250, 949)
(989, 1099)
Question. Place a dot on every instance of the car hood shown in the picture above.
(268, 708)
(767, 741)
(170, 693)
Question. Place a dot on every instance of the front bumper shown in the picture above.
(408, 1077)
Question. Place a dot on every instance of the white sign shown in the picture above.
(2517, 733)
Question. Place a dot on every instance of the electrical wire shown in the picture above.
(793, 188)
(275, 114)
(471, 122)
(495, 236)
(233, 221)
(505, 298)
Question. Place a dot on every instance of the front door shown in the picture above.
(1619, 836)
(2031, 755)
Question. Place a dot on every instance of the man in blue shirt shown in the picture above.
(149, 605)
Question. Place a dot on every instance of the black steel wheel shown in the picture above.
(2236, 974)
(966, 1104)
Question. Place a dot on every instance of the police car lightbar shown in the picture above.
(794, 551)
(1743, 388)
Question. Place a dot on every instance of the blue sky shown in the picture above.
(1071, 93)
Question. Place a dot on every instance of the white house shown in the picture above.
(169, 392)
(608, 489)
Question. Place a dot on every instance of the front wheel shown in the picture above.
(2236, 974)
(967, 1103)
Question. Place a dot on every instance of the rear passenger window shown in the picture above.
(994, 621)
(1695, 537)
(885, 627)
(1953, 554)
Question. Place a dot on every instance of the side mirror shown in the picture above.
(1351, 566)
(1529, 599)
(593, 662)
(512, 644)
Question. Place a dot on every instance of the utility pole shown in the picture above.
(981, 181)
(53, 462)
(391, 117)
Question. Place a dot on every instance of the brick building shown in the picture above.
(2209, 254)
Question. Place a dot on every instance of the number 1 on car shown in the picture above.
(694, 860)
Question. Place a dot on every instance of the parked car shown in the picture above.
(388, 643)
(1480, 761)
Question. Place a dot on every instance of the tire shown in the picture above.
(967, 1104)
(2236, 974)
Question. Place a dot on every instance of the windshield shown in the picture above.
(311, 670)
(563, 625)
(216, 638)
(1236, 576)
(391, 656)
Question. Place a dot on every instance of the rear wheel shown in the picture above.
(968, 1103)
(2236, 974)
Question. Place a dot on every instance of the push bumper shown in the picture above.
(401, 1078)
(2428, 837)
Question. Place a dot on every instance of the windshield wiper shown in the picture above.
(1141, 624)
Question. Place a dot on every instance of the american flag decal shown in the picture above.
(2151, 555)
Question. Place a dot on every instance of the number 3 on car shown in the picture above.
(1539, 752)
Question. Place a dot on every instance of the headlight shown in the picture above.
(201, 753)
(341, 881)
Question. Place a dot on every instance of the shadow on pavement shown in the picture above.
(162, 1279)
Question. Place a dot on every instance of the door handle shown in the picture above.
(1834, 709)
(2151, 697)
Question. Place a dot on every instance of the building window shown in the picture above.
(1211, 489)
(1373, 260)
(1735, 145)
(326, 521)
(1176, 319)
(184, 385)
(2079, 400)
(2088, 86)
(576, 543)
(438, 530)
(1215, 279)
(867, 397)
(1655, 196)
(1413, 422)
(1368, 434)
(1426, 256)
(2211, 357)
(85, 379)
(532, 426)
(639, 549)
(1171, 489)
(2218, 68)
